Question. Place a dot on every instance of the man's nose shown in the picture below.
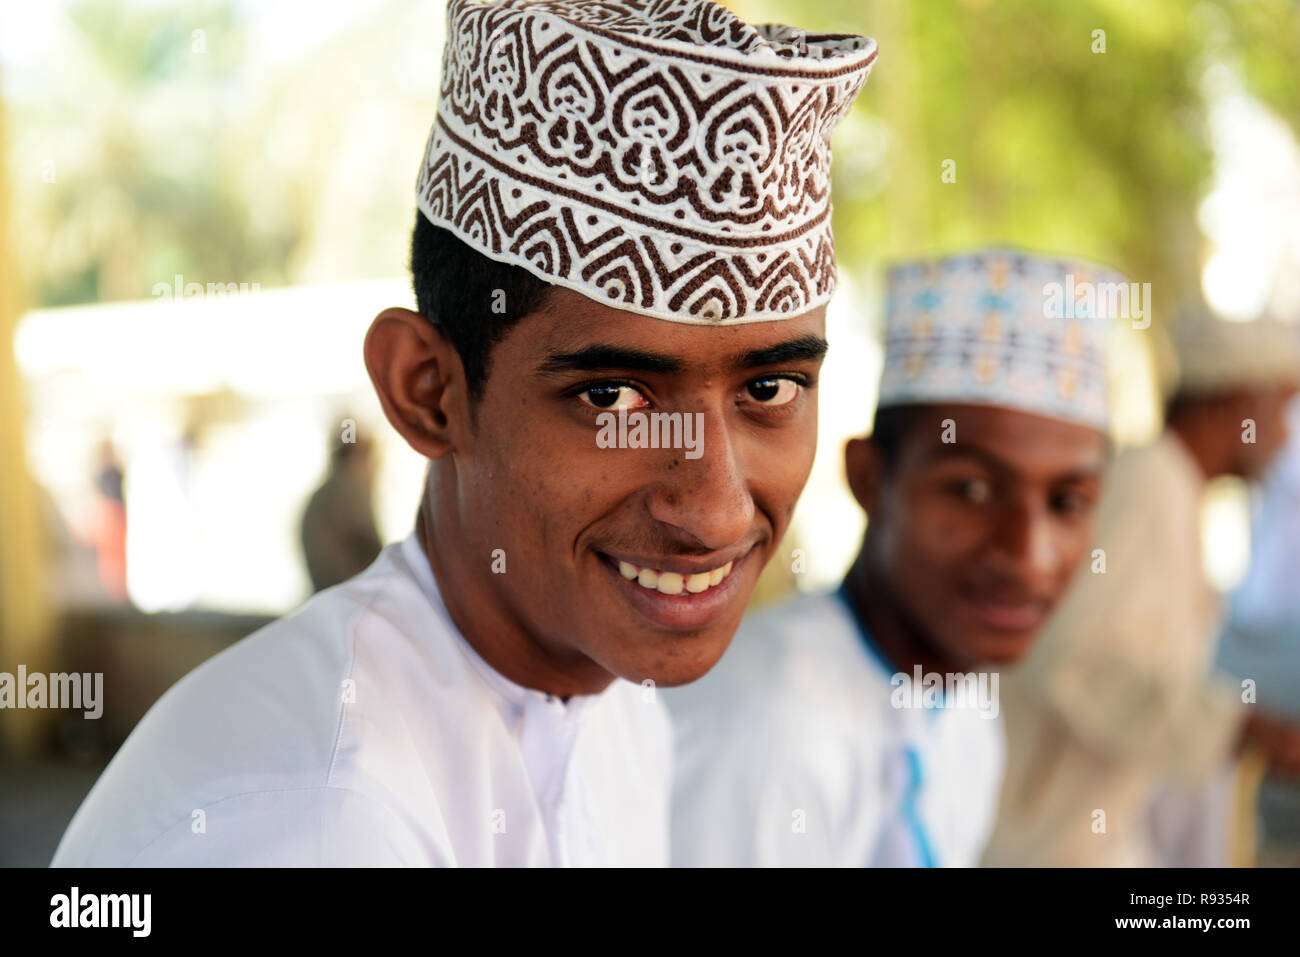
(1024, 543)
(708, 497)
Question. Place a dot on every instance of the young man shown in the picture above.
(617, 202)
(836, 730)
(1117, 697)
(1262, 620)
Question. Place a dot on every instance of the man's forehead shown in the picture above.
(1007, 440)
(572, 325)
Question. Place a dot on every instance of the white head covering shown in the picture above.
(1001, 327)
(658, 155)
(1216, 354)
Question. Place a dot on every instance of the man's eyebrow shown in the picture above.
(599, 357)
(947, 452)
(808, 346)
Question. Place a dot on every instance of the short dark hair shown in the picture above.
(890, 428)
(1181, 403)
(459, 290)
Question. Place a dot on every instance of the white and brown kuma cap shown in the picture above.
(661, 156)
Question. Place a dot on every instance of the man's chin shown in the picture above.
(685, 675)
(1001, 649)
(690, 659)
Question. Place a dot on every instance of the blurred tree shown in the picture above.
(1271, 69)
(169, 142)
(136, 182)
(1077, 127)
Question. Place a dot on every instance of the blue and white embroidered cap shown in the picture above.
(1006, 328)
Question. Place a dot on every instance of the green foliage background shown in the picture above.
(175, 163)
(1057, 146)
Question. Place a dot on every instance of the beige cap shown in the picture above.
(1216, 355)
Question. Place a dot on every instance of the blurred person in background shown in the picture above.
(485, 693)
(1261, 640)
(814, 741)
(110, 522)
(339, 537)
(1117, 698)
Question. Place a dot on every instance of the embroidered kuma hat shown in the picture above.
(1002, 327)
(1218, 355)
(660, 156)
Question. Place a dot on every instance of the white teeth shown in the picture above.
(673, 583)
(670, 583)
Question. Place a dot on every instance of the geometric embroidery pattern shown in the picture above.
(664, 157)
(1001, 327)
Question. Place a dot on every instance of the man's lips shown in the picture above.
(1008, 613)
(681, 564)
(680, 593)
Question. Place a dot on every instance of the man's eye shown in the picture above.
(773, 392)
(1071, 503)
(612, 397)
(975, 491)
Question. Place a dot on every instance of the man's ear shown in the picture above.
(864, 469)
(419, 379)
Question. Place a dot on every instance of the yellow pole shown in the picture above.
(26, 619)
(1243, 846)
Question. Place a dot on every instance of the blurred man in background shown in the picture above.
(821, 738)
(1117, 696)
(339, 537)
(1261, 640)
(109, 534)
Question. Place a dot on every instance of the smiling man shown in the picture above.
(861, 727)
(624, 209)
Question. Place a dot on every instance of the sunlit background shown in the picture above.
(153, 148)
